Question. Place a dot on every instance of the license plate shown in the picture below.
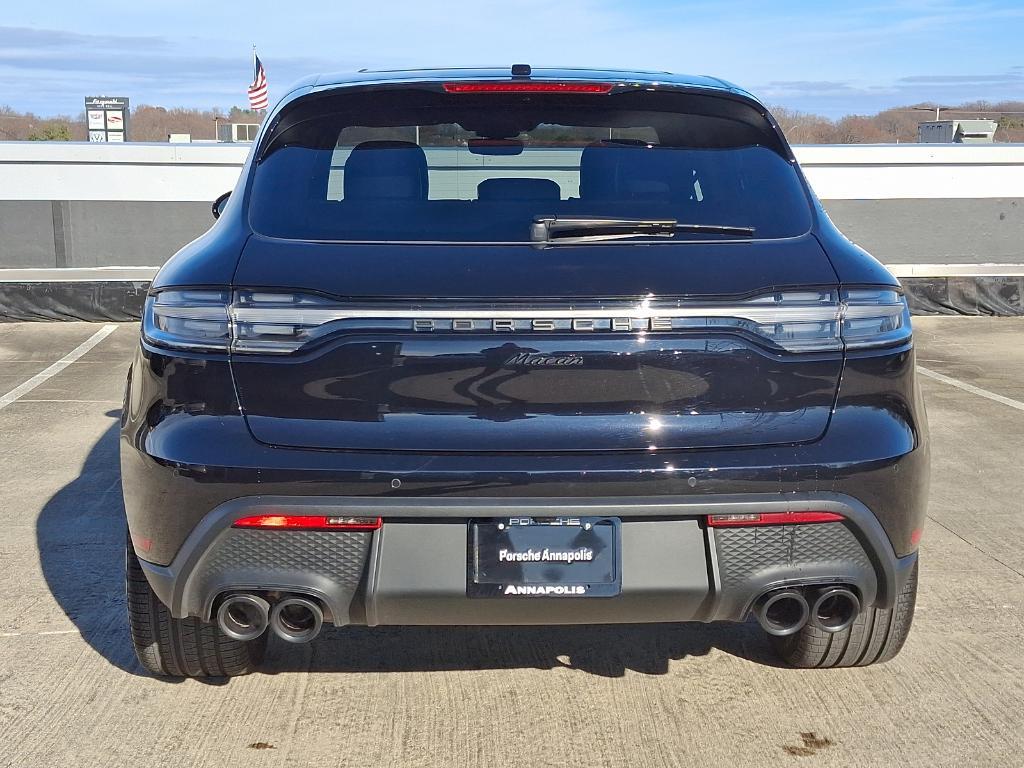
(544, 557)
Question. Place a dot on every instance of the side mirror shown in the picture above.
(218, 205)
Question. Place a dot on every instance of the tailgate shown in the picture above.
(600, 348)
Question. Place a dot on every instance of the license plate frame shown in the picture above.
(563, 557)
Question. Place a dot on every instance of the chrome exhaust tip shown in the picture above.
(833, 609)
(243, 617)
(296, 619)
(782, 613)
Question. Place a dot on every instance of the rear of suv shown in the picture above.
(486, 347)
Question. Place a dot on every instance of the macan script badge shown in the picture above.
(531, 360)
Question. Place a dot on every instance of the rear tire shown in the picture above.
(876, 635)
(170, 647)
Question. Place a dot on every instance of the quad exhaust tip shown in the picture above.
(296, 619)
(243, 617)
(783, 612)
(833, 609)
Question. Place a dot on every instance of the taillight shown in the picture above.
(255, 322)
(309, 522)
(188, 320)
(528, 87)
(874, 317)
(744, 520)
(279, 323)
(265, 322)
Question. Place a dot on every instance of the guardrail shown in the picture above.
(914, 206)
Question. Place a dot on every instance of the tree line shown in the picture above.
(896, 125)
(145, 124)
(889, 126)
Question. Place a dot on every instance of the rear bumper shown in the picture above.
(413, 570)
(190, 467)
(186, 450)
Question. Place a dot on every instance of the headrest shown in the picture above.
(598, 172)
(386, 170)
(518, 189)
(614, 171)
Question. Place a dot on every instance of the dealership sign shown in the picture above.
(106, 118)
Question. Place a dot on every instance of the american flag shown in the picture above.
(258, 90)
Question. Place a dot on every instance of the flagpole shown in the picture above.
(255, 67)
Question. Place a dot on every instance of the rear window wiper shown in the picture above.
(546, 230)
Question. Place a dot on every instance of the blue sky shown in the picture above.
(828, 57)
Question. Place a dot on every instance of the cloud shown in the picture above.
(145, 66)
(136, 58)
(807, 94)
(25, 37)
(1008, 78)
(808, 86)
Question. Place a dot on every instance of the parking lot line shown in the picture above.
(94, 402)
(57, 367)
(969, 388)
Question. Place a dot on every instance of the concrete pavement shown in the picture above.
(71, 693)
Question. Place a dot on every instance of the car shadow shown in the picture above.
(80, 536)
(603, 650)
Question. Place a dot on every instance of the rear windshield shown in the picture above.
(419, 164)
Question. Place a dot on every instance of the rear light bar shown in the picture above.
(309, 522)
(771, 518)
(264, 322)
(528, 87)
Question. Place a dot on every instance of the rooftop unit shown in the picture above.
(235, 133)
(957, 132)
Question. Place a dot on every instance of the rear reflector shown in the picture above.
(771, 518)
(307, 522)
(528, 87)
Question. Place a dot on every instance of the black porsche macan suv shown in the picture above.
(521, 347)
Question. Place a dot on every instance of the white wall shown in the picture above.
(914, 171)
(141, 172)
(200, 172)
